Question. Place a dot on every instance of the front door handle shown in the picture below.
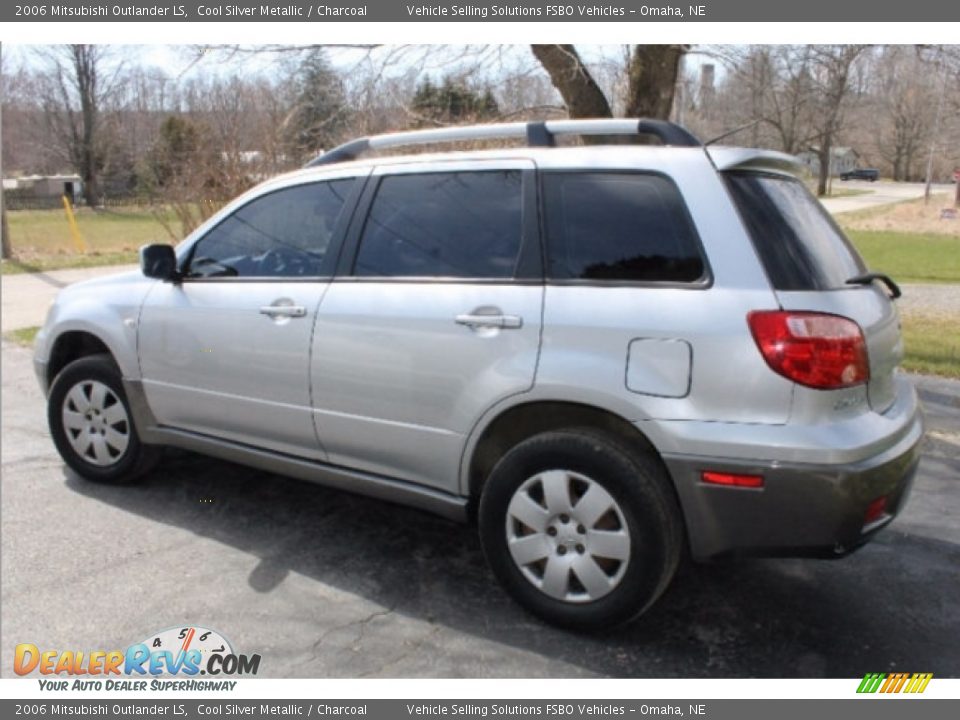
(274, 311)
(504, 322)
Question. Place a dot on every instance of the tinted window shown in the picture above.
(797, 240)
(283, 234)
(619, 226)
(458, 224)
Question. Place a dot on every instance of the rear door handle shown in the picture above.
(504, 322)
(293, 311)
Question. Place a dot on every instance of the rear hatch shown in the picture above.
(810, 262)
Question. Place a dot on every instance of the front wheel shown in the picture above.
(580, 529)
(91, 423)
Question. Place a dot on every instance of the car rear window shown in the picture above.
(800, 245)
(612, 226)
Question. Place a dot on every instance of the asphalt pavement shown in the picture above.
(326, 584)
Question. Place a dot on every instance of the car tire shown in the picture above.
(601, 533)
(92, 426)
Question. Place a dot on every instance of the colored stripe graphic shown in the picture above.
(870, 682)
(894, 683)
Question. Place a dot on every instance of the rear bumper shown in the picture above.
(803, 509)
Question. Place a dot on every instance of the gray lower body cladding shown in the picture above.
(801, 510)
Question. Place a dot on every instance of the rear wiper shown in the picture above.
(869, 277)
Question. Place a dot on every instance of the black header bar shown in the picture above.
(309, 11)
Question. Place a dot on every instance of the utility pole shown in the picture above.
(936, 133)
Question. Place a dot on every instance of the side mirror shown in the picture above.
(158, 261)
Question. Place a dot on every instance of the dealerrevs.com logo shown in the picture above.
(185, 652)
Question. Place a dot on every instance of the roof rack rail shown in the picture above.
(536, 134)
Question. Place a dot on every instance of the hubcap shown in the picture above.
(96, 423)
(568, 536)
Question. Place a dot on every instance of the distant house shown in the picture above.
(41, 191)
(842, 159)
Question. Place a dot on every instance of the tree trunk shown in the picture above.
(87, 73)
(652, 76)
(5, 234)
(580, 92)
(824, 154)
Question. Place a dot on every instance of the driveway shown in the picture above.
(876, 194)
(325, 584)
(27, 296)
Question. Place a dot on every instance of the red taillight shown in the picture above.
(814, 349)
(731, 479)
(875, 510)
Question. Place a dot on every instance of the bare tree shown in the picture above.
(652, 79)
(652, 72)
(73, 97)
(5, 250)
(573, 80)
(831, 67)
(906, 99)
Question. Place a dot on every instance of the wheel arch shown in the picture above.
(516, 423)
(72, 345)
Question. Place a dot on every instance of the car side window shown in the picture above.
(630, 227)
(450, 224)
(282, 234)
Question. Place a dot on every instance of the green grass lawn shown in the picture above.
(908, 257)
(41, 239)
(932, 345)
(23, 336)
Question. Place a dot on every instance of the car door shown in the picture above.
(434, 319)
(226, 351)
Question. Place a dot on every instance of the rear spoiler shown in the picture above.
(735, 158)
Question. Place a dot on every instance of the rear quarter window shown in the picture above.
(798, 242)
(613, 226)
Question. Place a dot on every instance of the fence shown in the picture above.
(18, 200)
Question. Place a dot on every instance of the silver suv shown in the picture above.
(606, 355)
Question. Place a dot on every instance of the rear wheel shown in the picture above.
(581, 530)
(91, 423)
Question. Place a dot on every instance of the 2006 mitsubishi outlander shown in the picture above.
(607, 354)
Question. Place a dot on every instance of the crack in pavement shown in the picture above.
(361, 624)
(413, 647)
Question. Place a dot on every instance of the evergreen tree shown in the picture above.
(319, 115)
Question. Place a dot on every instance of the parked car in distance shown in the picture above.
(871, 174)
(608, 357)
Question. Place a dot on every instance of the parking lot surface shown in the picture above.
(325, 584)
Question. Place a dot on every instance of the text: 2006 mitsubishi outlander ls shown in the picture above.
(607, 354)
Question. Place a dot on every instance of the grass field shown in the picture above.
(41, 239)
(910, 257)
(931, 345)
(22, 336)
